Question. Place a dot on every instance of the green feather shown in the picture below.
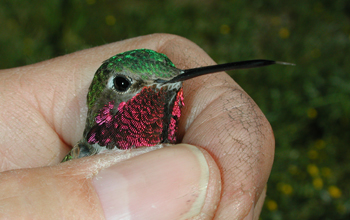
(144, 62)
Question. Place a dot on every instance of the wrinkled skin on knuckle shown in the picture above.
(242, 142)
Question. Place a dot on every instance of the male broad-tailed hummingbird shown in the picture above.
(135, 100)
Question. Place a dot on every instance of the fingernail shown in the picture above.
(250, 215)
(170, 183)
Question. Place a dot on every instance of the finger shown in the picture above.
(259, 204)
(220, 117)
(177, 182)
(44, 104)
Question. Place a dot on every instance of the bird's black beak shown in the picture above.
(191, 73)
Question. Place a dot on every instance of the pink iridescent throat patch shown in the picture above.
(138, 122)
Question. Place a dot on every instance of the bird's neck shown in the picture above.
(147, 119)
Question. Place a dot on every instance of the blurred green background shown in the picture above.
(308, 105)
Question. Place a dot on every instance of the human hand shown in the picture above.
(43, 112)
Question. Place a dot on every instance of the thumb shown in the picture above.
(178, 182)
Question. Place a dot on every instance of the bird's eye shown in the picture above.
(121, 83)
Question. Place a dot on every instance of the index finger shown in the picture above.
(220, 117)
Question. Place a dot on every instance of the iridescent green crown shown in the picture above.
(144, 62)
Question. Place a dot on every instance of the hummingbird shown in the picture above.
(135, 100)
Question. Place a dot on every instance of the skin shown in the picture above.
(43, 112)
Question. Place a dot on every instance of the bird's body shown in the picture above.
(135, 100)
(127, 108)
